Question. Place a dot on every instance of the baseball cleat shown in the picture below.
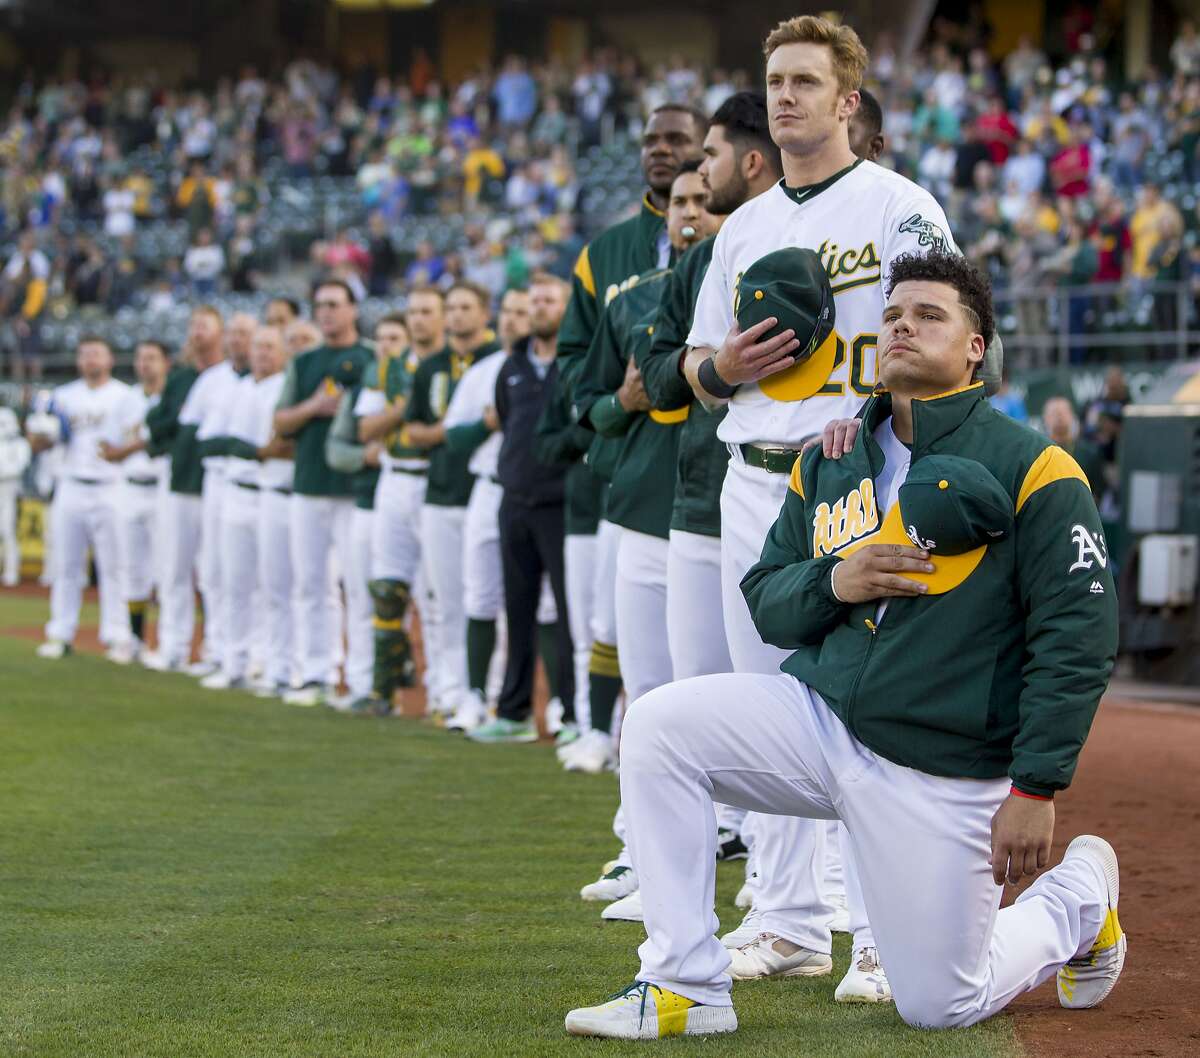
(1087, 979)
(567, 735)
(218, 681)
(53, 649)
(123, 653)
(592, 752)
(370, 705)
(745, 895)
(865, 981)
(627, 909)
(470, 714)
(751, 927)
(271, 690)
(612, 885)
(553, 717)
(308, 695)
(504, 730)
(839, 921)
(770, 955)
(647, 1012)
(156, 662)
(730, 845)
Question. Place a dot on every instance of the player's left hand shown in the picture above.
(836, 439)
(490, 419)
(1022, 830)
(111, 453)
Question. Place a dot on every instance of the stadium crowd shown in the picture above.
(123, 193)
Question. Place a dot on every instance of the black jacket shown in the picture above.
(520, 397)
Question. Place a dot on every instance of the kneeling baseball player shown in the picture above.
(946, 592)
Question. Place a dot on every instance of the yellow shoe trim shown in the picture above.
(672, 1012)
(1066, 982)
(1109, 933)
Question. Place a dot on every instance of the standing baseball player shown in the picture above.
(775, 401)
(443, 514)
(322, 504)
(248, 425)
(15, 455)
(673, 135)
(403, 342)
(83, 510)
(142, 482)
(945, 594)
(468, 432)
(179, 519)
(346, 453)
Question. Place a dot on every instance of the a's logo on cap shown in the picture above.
(915, 537)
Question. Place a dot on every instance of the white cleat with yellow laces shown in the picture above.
(647, 1012)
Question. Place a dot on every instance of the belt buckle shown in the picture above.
(774, 457)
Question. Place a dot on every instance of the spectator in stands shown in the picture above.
(426, 268)
(1185, 52)
(1071, 168)
(1146, 228)
(196, 198)
(1061, 425)
(996, 130)
(515, 95)
(480, 163)
(22, 300)
(550, 126)
(204, 264)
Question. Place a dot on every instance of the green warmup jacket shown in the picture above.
(644, 446)
(1002, 674)
(342, 366)
(450, 480)
(560, 441)
(344, 452)
(610, 261)
(702, 457)
(398, 375)
(167, 437)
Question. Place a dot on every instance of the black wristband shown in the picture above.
(713, 383)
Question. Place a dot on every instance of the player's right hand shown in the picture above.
(746, 358)
(632, 394)
(325, 402)
(873, 572)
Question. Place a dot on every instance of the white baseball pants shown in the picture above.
(483, 579)
(640, 596)
(579, 559)
(320, 529)
(212, 580)
(789, 851)
(239, 566)
(181, 546)
(922, 842)
(275, 577)
(9, 490)
(360, 610)
(441, 557)
(84, 517)
(139, 539)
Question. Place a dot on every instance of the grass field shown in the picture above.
(186, 873)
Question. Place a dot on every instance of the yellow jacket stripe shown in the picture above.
(1054, 464)
(583, 272)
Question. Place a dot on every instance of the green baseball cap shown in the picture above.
(791, 284)
(953, 508)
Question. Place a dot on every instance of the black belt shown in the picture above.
(412, 471)
(249, 486)
(88, 481)
(283, 490)
(773, 460)
(144, 483)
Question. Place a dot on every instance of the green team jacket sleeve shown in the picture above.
(464, 439)
(1067, 591)
(659, 364)
(789, 593)
(558, 440)
(224, 445)
(603, 372)
(162, 421)
(343, 451)
(583, 311)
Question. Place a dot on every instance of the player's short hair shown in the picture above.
(546, 279)
(210, 310)
(428, 290)
(699, 118)
(743, 116)
(849, 54)
(341, 284)
(291, 303)
(158, 343)
(393, 317)
(942, 266)
(480, 293)
(870, 113)
(93, 339)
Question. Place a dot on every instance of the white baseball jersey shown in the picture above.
(250, 418)
(273, 473)
(208, 405)
(475, 391)
(858, 223)
(89, 415)
(127, 422)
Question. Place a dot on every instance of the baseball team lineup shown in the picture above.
(737, 485)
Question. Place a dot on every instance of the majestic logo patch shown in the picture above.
(929, 235)
(1097, 588)
(852, 516)
(1090, 549)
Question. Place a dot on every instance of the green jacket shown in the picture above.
(560, 441)
(398, 375)
(639, 449)
(344, 452)
(703, 458)
(614, 257)
(450, 480)
(168, 437)
(1001, 675)
(342, 366)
